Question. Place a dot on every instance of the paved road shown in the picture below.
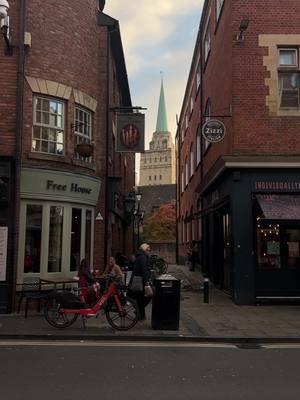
(135, 371)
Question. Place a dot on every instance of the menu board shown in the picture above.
(3, 252)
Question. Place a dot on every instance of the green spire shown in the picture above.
(162, 124)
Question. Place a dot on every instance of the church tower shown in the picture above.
(157, 166)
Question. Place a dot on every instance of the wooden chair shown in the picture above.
(31, 290)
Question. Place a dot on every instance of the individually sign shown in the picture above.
(213, 131)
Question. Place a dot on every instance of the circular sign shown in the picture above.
(130, 136)
(213, 131)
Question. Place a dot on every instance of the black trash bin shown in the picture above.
(166, 303)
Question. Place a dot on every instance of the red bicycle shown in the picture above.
(63, 308)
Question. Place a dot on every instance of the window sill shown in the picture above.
(48, 157)
(84, 164)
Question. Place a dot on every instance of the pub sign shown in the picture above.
(130, 132)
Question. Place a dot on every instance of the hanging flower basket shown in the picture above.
(85, 149)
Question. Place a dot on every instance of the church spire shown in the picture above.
(162, 123)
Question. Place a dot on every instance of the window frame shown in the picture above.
(287, 70)
(80, 135)
(48, 126)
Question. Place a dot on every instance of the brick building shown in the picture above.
(239, 197)
(57, 149)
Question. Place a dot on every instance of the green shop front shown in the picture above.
(57, 215)
(251, 234)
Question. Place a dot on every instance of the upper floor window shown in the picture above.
(288, 77)
(207, 115)
(182, 180)
(192, 104)
(207, 41)
(83, 128)
(191, 161)
(198, 76)
(198, 147)
(48, 126)
(186, 172)
(219, 5)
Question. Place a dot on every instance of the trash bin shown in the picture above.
(166, 303)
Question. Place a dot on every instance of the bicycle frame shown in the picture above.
(111, 292)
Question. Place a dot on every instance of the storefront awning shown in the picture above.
(279, 206)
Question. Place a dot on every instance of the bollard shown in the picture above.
(206, 290)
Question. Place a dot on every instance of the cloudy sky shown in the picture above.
(157, 35)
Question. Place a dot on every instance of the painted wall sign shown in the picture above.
(276, 186)
(213, 131)
(3, 252)
(59, 186)
(130, 132)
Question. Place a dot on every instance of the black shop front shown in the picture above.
(251, 234)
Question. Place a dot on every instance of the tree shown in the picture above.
(162, 224)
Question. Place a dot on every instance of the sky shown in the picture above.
(157, 35)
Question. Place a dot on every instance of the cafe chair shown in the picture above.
(31, 290)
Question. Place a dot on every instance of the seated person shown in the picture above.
(113, 268)
(87, 281)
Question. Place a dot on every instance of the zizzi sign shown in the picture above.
(72, 188)
(213, 131)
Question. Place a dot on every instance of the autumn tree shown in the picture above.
(161, 225)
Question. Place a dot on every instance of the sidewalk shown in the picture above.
(220, 320)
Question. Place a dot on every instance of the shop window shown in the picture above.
(288, 78)
(33, 238)
(48, 126)
(75, 239)
(55, 239)
(292, 240)
(268, 245)
(88, 235)
(83, 129)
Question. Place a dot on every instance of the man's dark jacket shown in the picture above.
(142, 266)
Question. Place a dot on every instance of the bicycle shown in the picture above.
(158, 265)
(63, 308)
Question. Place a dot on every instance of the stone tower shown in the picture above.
(157, 165)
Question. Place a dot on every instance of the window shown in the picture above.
(83, 129)
(160, 177)
(149, 178)
(191, 161)
(166, 159)
(198, 76)
(207, 114)
(48, 126)
(182, 180)
(219, 5)
(288, 78)
(207, 41)
(186, 172)
(55, 237)
(186, 122)
(192, 104)
(198, 150)
(155, 177)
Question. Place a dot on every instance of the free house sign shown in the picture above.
(213, 131)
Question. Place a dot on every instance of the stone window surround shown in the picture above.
(56, 89)
(271, 63)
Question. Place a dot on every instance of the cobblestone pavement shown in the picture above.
(220, 319)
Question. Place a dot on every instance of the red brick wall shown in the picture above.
(70, 48)
(255, 131)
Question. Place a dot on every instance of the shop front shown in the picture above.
(57, 215)
(252, 235)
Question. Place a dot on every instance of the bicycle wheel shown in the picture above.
(122, 321)
(56, 318)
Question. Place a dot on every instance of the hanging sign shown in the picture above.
(213, 131)
(3, 252)
(130, 132)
